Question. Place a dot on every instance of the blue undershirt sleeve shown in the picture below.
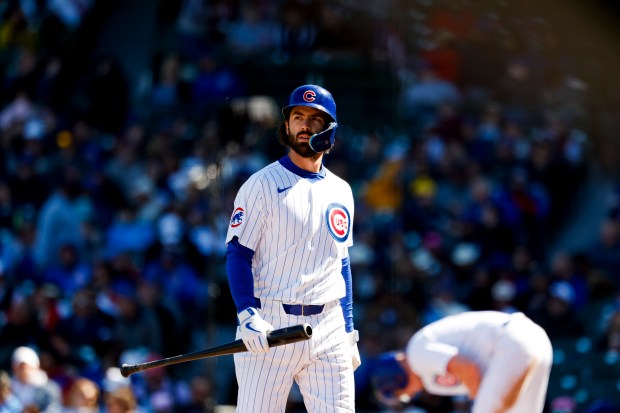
(346, 302)
(239, 271)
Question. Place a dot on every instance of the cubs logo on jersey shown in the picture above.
(447, 380)
(237, 217)
(337, 219)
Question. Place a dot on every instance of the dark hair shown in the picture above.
(282, 135)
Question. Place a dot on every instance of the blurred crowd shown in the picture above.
(115, 192)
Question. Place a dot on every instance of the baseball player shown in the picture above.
(287, 263)
(500, 361)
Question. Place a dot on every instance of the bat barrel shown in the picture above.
(288, 335)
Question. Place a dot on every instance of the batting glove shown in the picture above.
(253, 330)
(353, 338)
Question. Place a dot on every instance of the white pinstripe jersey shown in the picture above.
(299, 229)
(509, 349)
(473, 334)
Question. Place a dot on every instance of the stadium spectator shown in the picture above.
(608, 338)
(31, 384)
(60, 222)
(603, 254)
(563, 268)
(83, 331)
(83, 397)
(167, 93)
(121, 400)
(252, 34)
(9, 402)
(559, 318)
(202, 396)
(134, 328)
(422, 98)
(215, 84)
(70, 273)
(21, 327)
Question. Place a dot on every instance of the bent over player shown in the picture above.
(288, 263)
(501, 361)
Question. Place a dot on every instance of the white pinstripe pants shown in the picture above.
(321, 366)
(522, 348)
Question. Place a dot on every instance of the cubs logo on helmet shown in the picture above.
(313, 96)
(309, 96)
(338, 218)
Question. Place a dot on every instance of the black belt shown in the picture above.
(298, 309)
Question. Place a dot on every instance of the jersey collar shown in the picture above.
(286, 162)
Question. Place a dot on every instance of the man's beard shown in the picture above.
(302, 149)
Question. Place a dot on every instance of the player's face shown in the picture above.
(304, 122)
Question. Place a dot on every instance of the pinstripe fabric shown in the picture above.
(510, 350)
(321, 366)
(296, 258)
(300, 229)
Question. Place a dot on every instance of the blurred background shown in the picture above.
(479, 137)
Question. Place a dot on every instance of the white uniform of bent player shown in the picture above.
(293, 224)
(503, 345)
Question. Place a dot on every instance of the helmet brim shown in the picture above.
(286, 111)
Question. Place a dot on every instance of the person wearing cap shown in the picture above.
(288, 263)
(30, 382)
(559, 317)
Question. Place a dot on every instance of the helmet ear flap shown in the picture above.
(323, 141)
(389, 379)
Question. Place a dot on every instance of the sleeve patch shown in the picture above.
(337, 219)
(237, 217)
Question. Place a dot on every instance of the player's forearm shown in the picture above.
(468, 372)
(239, 271)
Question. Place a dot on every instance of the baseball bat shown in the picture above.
(278, 337)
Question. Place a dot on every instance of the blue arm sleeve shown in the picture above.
(239, 271)
(346, 302)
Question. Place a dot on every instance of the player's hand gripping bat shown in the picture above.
(279, 337)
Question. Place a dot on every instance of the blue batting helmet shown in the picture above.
(388, 377)
(319, 98)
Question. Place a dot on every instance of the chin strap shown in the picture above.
(323, 141)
